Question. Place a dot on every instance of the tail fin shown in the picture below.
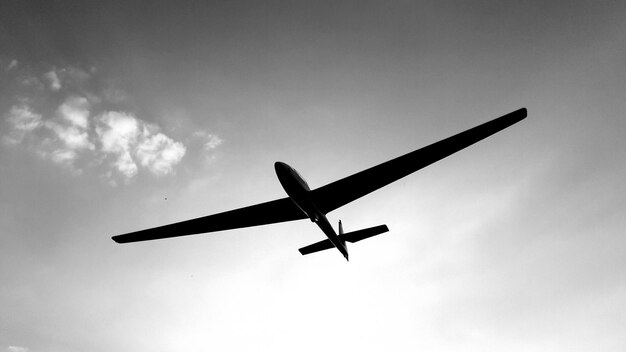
(340, 232)
(351, 237)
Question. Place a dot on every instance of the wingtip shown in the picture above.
(515, 116)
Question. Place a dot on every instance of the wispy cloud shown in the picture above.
(17, 349)
(78, 133)
(72, 76)
(13, 64)
(31, 82)
(22, 120)
(210, 141)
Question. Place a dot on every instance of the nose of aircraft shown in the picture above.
(280, 167)
(282, 171)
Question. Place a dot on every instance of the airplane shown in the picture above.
(302, 202)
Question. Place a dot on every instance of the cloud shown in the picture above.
(63, 156)
(125, 164)
(78, 133)
(206, 144)
(76, 111)
(71, 127)
(159, 153)
(21, 120)
(31, 81)
(118, 132)
(53, 79)
(72, 137)
(74, 75)
(128, 138)
(212, 142)
(13, 64)
(17, 349)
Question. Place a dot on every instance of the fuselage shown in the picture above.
(298, 190)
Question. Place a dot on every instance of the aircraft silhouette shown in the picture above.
(302, 202)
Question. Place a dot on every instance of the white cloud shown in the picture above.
(73, 137)
(159, 153)
(22, 120)
(125, 136)
(77, 135)
(63, 156)
(53, 79)
(76, 111)
(125, 164)
(57, 79)
(57, 139)
(71, 126)
(17, 349)
(118, 132)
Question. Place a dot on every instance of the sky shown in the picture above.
(118, 116)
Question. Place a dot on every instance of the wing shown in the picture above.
(344, 191)
(279, 210)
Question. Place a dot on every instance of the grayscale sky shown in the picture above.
(116, 116)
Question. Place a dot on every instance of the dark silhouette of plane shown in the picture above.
(302, 202)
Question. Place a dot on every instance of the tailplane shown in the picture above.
(351, 237)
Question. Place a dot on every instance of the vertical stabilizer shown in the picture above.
(343, 242)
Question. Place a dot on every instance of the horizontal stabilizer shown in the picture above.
(347, 237)
(316, 247)
(356, 236)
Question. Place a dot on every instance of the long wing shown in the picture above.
(279, 210)
(341, 192)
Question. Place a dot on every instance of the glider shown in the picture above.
(303, 203)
